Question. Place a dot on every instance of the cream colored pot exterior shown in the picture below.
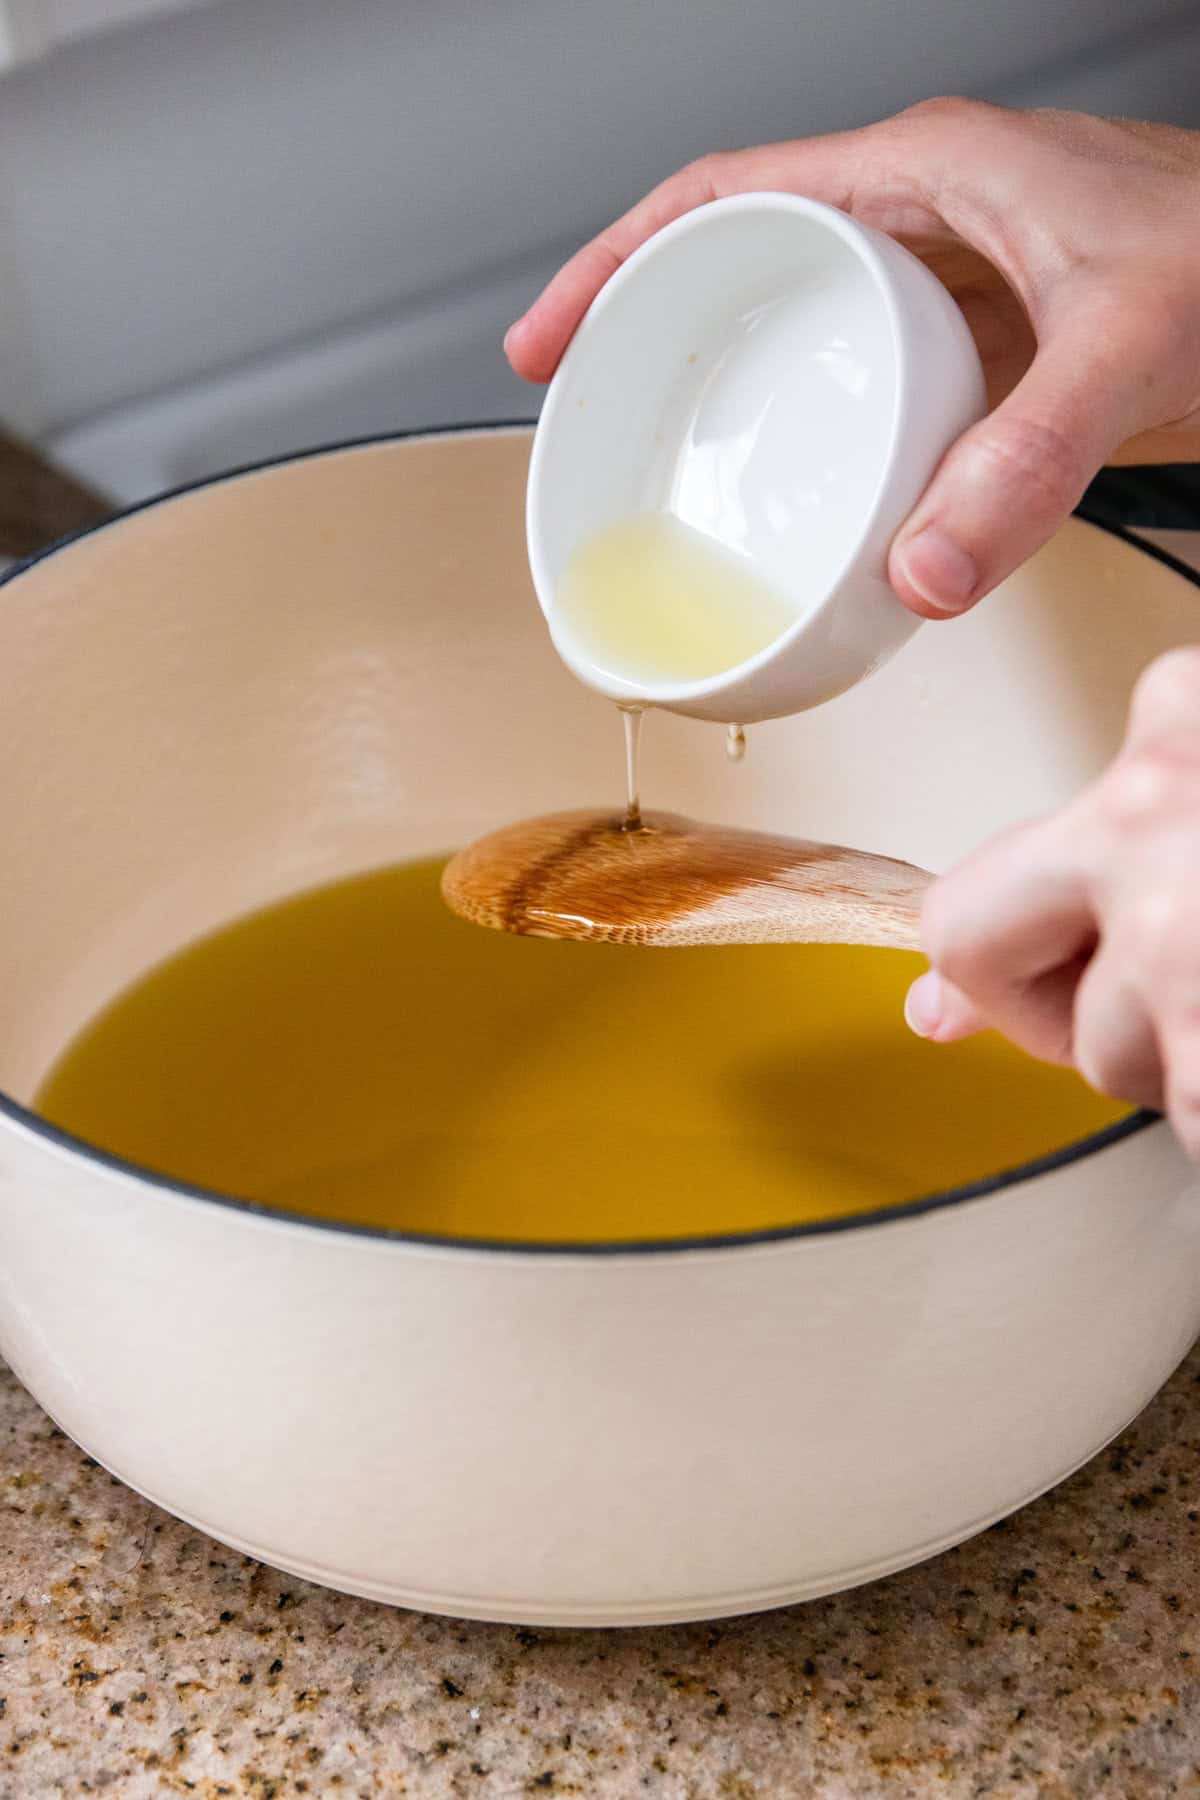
(337, 662)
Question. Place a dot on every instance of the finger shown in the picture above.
(855, 170)
(1166, 698)
(1116, 1044)
(1007, 485)
(937, 1010)
(1181, 1056)
(1037, 1018)
(1017, 908)
(1012, 929)
(1173, 974)
(536, 342)
(1038, 1015)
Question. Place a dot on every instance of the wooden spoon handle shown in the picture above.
(827, 895)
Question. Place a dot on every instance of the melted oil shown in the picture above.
(360, 1054)
(651, 599)
(631, 719)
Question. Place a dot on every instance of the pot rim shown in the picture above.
(10, 1109)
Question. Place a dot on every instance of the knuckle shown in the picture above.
(939, 928)
(704, 179)
(1059, 122)
(1162, 332)
(1169, 689)
(1141, 789)
(1160, 924)
(1185, 993)
(1041, 460)
(1183, 1109)
(945, 109)
(1096, 1063)
(960, 959)
(1107, 1059)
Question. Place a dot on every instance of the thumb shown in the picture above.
(1009, 482)
(936, 1009)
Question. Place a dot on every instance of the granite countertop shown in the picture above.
(1057, 1655)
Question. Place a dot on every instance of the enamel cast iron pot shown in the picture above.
(317, 667)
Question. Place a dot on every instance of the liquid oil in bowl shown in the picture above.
(358, 1053)
(652, 599)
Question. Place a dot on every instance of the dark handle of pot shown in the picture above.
(40, 503)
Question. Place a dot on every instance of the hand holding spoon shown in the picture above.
(673, 882)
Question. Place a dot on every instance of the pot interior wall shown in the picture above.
(339, 662)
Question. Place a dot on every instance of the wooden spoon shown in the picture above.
(672, 881)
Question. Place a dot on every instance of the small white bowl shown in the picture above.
(783, 380)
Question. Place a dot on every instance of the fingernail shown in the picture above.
(509, 335)
(923, 1004)
(939, 569)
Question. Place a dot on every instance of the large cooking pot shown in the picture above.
(309, 669)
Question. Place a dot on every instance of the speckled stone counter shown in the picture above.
(1057, 1655)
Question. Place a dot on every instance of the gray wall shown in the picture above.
(268, 222)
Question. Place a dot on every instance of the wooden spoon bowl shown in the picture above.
(671, 881)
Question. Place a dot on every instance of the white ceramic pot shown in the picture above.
(321, 666)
